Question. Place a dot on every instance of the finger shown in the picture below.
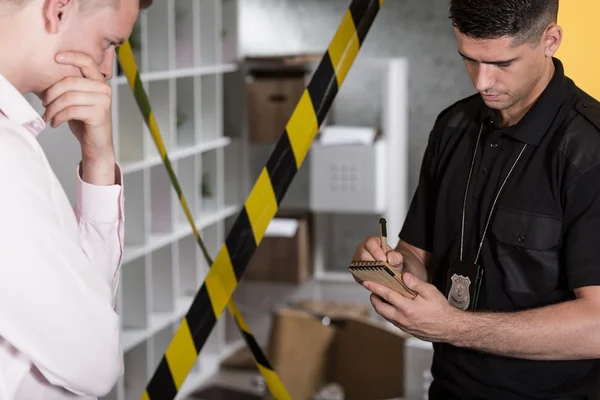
(361, 253)
(84, 62)
(364, 255)
(357, 279)
(74, 84)
(424, 289)
(387, 294)
(394, 258)
(373, 246)
(397, 324)
(383, 308)
(72, 99)
(80, 113)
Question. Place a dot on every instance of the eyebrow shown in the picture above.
(497, 62)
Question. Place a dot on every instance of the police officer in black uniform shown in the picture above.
(502, 238)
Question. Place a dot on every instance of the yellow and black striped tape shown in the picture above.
(182, 353)
(259, 208)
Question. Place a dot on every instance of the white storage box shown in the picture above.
(348, 178)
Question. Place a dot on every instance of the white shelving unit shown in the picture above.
(184, 49)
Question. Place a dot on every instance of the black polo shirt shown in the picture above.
(542, 242)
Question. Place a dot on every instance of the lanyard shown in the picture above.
(464, 211)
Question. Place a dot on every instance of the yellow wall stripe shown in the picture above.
(579, 49)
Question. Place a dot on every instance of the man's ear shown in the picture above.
(55, 12)
(552, 39)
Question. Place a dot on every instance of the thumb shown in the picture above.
(424, 289)
(394, 258)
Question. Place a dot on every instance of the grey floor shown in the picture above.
(247, 382)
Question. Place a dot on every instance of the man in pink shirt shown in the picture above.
(59, 267)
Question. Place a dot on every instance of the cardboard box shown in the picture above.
(365, 357)
(367, 360)
(243, 359)
(284, 255)
(272, 98)
(297, 350)
(274, 86)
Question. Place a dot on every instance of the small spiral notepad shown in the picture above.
(380, 272)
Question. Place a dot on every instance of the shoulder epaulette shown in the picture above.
(589, 108)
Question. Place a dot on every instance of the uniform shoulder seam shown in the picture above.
(588, 107)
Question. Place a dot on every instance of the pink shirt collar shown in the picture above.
(15, 107)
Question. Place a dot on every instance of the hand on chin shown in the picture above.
(55, 75)
(82, 98)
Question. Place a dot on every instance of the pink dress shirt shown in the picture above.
(59, 270)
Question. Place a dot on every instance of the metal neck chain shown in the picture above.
(464, 211)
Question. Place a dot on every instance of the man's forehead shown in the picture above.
(491, 51)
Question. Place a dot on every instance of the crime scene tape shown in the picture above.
(259, 208)
(181, 354)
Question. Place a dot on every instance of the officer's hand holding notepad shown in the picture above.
(381, 272)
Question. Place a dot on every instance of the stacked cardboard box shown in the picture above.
(284, 257)
(313, 344)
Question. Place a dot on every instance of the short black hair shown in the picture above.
(523, 20)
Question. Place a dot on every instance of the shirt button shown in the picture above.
(493, 145)
(486, 170)
(521, 238)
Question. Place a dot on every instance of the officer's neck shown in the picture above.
(511, 116)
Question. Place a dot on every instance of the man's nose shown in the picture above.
(106, 67)
(485, 77)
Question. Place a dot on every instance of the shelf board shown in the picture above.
(182, 230)
(158, 321)
(180, 73)
(131, 167)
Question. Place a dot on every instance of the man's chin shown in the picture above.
(41, 90)
(496, 102)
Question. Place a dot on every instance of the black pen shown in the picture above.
(383, 234)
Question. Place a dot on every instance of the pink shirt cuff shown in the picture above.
(100, 203)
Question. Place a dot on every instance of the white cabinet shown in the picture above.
(348, 178)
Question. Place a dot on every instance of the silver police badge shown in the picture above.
(459, 296)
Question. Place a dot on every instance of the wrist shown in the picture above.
(458, 322)
(98, 171)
